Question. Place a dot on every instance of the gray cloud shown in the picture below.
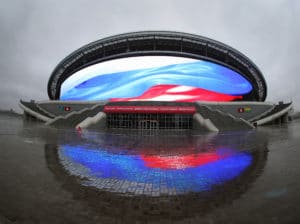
(36, 35)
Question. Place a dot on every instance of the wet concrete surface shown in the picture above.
(52, 175)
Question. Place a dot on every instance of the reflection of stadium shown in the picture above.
(157, 80)
(207, 170)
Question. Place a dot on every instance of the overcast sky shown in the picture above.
(36, 35)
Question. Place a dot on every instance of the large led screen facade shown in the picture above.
(157, 66)
(156, 78)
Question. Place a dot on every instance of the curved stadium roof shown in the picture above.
(160, 43)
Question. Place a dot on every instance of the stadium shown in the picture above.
(157, 80)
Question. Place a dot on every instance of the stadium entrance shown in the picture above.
(149, 121)
(149, 117)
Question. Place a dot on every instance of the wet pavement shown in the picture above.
(50, 175)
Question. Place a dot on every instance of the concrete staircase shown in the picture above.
(280, 111)
(76, 117)
(216, 120)
(33, 110)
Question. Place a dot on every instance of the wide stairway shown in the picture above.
(209, 119)
(278, 111)
(33, 109)
(74, 118)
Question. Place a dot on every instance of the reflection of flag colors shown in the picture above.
(180, 162)
(190, 172)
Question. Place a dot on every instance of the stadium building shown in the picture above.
(157, 80)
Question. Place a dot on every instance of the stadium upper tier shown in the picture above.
(157, 66)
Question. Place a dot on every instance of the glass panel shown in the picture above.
(150, 121)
